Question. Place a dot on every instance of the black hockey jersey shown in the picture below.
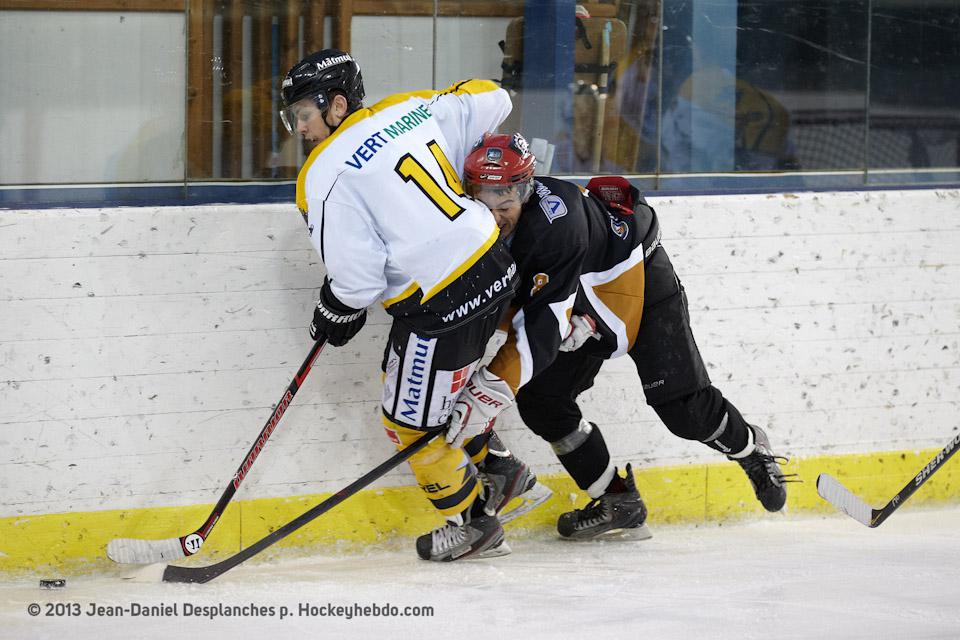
(575, 254)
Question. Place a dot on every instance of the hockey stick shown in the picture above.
(602, 91)
(208, 573)
(137, 551)
(843, 499)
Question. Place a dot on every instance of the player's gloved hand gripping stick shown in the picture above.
(334, 321)
(478, 406)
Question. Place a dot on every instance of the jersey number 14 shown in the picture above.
(411, 170)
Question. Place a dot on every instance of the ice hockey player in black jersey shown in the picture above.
(595, 284)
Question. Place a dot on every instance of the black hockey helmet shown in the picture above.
(317, 76)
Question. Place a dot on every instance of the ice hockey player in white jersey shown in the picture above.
(594, 284)
(381, 196)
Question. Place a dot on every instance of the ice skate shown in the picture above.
(615, 512)
(506, 477)
(762, 467)
(462, 537)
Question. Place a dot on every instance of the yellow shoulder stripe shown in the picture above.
(409, 291)
(459, 271)
(352, 119)
(465, 87)
(471, 87)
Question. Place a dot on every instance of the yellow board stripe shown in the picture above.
(72, 543)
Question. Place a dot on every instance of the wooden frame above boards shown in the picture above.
(230, 129)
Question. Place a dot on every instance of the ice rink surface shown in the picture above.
(781, 577)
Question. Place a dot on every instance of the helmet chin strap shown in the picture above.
(332, 127)
(323, 114)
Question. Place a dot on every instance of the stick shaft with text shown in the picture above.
(603, 89)
(843, 499)
(208, 573)
(137, 551)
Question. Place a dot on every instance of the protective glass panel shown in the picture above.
(670, 91)
(914, 88)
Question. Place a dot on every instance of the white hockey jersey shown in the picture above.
(383, 199)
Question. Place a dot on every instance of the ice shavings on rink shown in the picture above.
(779, 577)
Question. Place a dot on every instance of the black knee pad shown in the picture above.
(550, 417)
(579, 445)
(705, 416)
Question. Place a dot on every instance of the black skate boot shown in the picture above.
(620, 509)
(506, 477)
(464, 536)
(762, 466)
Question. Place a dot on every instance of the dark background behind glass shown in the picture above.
(795, 93)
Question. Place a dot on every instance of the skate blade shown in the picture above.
(502, 549)
(633, 534)
(636, 533)
(526, 502)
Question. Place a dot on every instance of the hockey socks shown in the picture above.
(584, 454)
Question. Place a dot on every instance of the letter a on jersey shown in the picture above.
(553, 207)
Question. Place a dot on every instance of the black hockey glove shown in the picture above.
(333, 320)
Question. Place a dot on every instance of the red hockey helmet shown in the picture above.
(499, 161)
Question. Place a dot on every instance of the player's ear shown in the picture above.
(339, 106)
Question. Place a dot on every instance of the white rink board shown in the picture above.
(141, 350)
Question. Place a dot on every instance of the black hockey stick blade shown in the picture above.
(206, 574)
(831, 490)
